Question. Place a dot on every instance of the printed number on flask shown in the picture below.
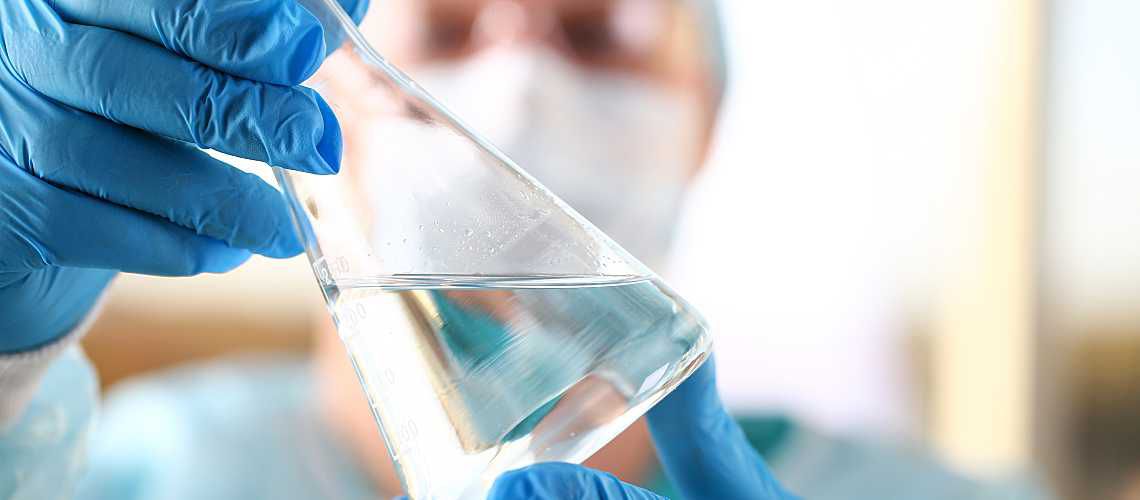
(352, 315)
(329, 269)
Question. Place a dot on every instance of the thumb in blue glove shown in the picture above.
(704, 452)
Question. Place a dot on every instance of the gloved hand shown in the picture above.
(704, 452)
(101, 105)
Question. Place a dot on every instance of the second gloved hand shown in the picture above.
(705, 454)
(103, 105)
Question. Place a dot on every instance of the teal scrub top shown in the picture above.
(248, 428)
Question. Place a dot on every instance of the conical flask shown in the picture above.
(490, 325)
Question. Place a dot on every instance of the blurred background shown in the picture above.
(921, 222)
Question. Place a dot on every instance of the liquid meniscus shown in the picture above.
(497, 372)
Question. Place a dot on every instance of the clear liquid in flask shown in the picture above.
(495, 373)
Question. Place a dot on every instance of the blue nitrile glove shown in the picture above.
(704, 452)
(101, 105)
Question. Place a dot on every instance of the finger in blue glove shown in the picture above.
(558, 481)
(704, 452)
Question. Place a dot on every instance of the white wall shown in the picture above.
(848, 145)
(1093, 147)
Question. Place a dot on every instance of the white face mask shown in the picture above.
(616, 148)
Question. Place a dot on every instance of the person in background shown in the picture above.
(610, 103)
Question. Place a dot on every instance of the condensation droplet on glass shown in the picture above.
(468, 232)
(421, 227)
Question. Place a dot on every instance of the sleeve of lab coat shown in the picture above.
(48, 399)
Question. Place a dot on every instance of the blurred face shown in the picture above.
(657, 40)
(609, 103)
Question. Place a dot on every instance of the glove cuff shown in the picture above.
(20, 373)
